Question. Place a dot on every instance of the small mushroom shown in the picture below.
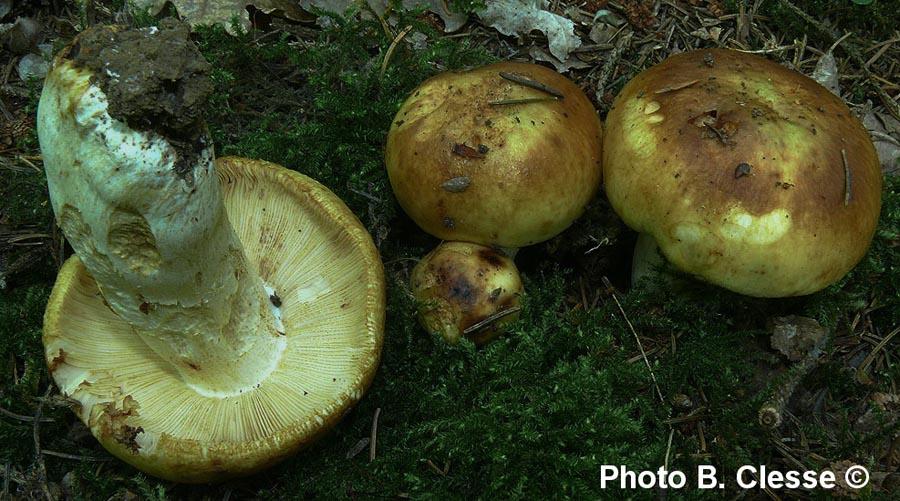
(163, 327)
(755, 178)
(466, 290)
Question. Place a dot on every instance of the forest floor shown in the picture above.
(596, 372)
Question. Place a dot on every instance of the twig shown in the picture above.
(392, 48)
(772, 411)
(523, 101)
(366, 195)
(493, 318)
(861, 370)
(722, 136)
(39, 459)
(434, 468)
(374, 437)
(838, 41)
(9, 117)
(532, 84)
(892, 106)
(637, 338)
(846, 178)
(73, 456)
(609, 66)
(694, 416)
(356, 449)
(19, 417)
(27, 161)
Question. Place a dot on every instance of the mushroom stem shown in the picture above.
(509, 252)
(647, 257)
(143, 209)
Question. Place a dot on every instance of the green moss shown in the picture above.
(324, 108)
(22, 368)
(876, 21)
(534, 414)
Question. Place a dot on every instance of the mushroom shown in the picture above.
(466, 290)
(745, 173)
(505, 155)
(218, 316)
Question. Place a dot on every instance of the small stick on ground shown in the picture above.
(637, 338)
(846, 178)
(532, 84)
(74, 457)
(374, 438)
(38, 457)
(771, 414)
(4, 494)
(19, 417)
(356, 449)
(434, 468)
(392, 48)
(864, 366)
(491, 319)
(523, 101)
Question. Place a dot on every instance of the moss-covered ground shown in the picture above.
(592, 374)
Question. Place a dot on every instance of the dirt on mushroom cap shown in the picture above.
(154, 79)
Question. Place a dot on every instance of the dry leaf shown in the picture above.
(520, 17)
(794, 336)
(224, 11)
(539, 54)
(885, 133)
(826, 73)
(196, 12)
(452, 20)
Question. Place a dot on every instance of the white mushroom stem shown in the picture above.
(647, 257)
(510, 252)
(158, 243)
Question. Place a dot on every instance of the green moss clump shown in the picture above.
(324, 108)
(875, 21)
(535, 413)
(22, 367)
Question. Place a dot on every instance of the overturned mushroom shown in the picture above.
(216, 318)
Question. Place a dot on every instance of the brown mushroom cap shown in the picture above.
(311, 249)
(745, 172)
(495, 174)
(462, 286)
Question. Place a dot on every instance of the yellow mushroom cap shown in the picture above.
(746, 173)
(311, 250)
(509, 174)
(461, 286)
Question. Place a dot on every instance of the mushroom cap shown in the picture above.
(511, 174)
(746, 173)
(323, 266)
(460, 284)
